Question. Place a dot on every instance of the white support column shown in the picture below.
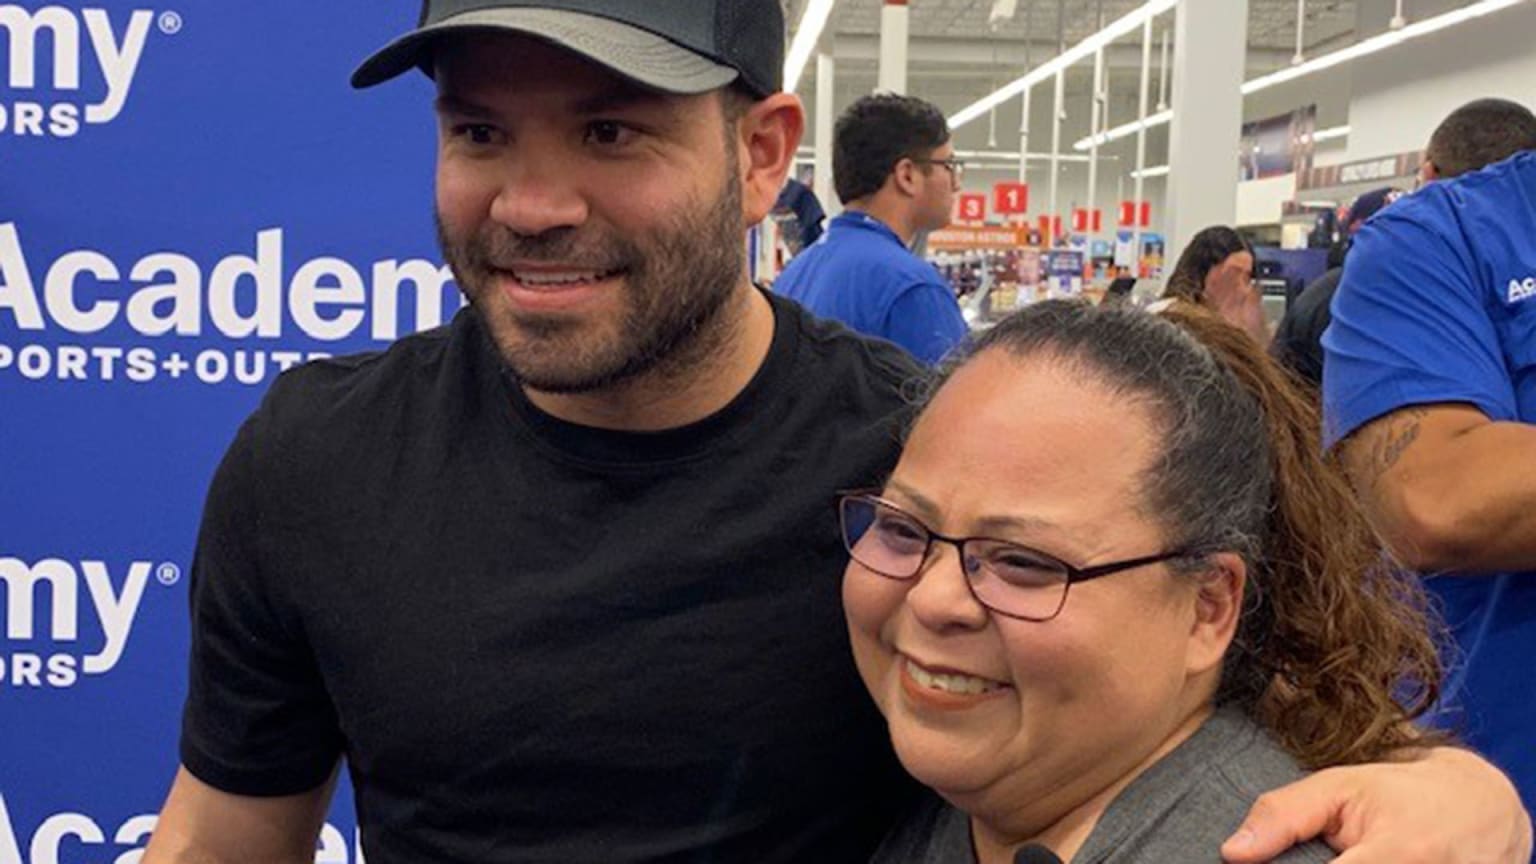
(1056, 117)
(894, 28)
(1095, 126)
(1141, 144)
(1024, 136)
(1209, 54)
(1162, 75)
(1301, 32)
(825, 95)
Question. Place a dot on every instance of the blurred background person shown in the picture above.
(1216, 271)
(1298, 340)
(896, 174)
(803, 214)
(1473, 136)
(1477, 134)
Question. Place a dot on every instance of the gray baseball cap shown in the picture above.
(677, 46)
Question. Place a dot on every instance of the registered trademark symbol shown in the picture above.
(168, 574)
(170, 23)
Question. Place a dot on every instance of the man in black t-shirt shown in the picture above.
(560, 579)
(1298, 340)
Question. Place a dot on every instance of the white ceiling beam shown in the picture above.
(979, 53)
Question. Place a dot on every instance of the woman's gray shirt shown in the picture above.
(1181, 809)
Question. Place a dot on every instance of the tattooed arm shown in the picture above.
(1447, 488)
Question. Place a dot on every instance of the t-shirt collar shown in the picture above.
(860, 220)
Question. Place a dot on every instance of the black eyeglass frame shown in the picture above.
(955, 167)
(1074, 574)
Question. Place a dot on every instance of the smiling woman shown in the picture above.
(1110, 595)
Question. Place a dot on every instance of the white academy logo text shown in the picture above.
(74, 830)
(258, 296)
(70, 642)
(1522, 289)
(90, 51)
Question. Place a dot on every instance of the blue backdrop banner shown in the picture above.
(192, 199)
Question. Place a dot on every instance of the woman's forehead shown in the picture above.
(1035, 422)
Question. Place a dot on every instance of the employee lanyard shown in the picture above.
(860, 218)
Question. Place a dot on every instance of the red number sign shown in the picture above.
(1011, 199)
(972, 207)
(1131, 215)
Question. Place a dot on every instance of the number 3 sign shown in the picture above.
(972, 207)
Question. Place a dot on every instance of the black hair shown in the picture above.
(1206, 251)
(874, 134)
(1480, 133)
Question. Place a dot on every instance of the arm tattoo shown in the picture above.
(1388, 445)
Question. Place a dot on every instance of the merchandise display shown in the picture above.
(997, 269)
(993, 270)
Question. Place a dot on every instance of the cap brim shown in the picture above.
(634, 53)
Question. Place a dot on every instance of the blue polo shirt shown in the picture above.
(1438, 304)
(860, 273)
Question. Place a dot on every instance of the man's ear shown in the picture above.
(904, 177)
(767, 136)
(1218, 609)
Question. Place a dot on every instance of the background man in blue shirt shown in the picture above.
(1476, 135)
(896, 173)
(1430, 385)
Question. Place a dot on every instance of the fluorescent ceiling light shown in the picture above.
(1115, 134)
(806, 36)
(1163, 117)
(1120, 27)
(1378, 43)
(806, 153)
(1130, 21)
(1154, 171)
(1012, 155)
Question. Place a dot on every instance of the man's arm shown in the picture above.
(202, 825)
(260, 742)
(1448, 488)
(1441, 806)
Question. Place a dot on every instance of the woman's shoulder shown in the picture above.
(1185, 806)
(1257, 764)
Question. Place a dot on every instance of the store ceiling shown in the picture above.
(1271, 23)
(956, 54)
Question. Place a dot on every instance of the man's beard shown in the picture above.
(678, 279)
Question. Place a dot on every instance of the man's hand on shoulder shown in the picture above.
(1444, 805)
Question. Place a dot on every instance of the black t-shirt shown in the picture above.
(1298, 341)
(539, 642)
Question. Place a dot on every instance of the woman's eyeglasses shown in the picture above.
(1009, 579)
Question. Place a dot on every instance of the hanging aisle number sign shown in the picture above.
(1011, 199)
(972, 207)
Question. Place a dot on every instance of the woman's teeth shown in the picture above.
(950, 683)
